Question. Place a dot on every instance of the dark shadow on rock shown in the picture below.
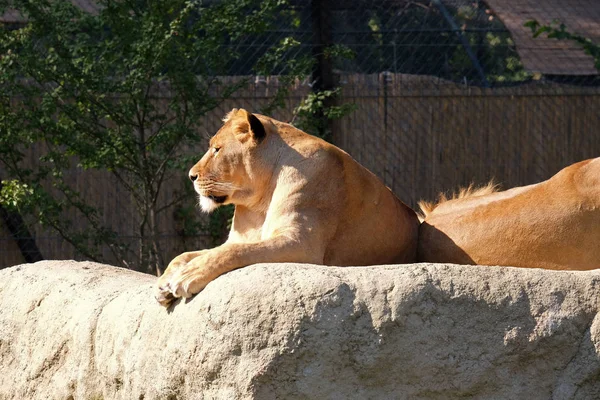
(436, 343)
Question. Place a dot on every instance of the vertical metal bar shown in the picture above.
(322, 76)
(394, 47)
(322, 38)
(463, 41)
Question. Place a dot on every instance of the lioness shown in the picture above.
(297, 199)
(554, 224)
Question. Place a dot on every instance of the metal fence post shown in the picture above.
(322, 76)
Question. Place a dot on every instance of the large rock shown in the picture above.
(72, 330)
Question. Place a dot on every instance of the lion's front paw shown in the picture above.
(182, 259)
(179, 286)
(170, 287)
(182, 281)
(164, 296)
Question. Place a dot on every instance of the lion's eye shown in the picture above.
(215, 150)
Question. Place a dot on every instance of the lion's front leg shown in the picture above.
(165, 295)
(189, 279)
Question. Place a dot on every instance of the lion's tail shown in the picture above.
(427, 207)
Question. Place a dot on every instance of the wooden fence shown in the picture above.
(420, 135)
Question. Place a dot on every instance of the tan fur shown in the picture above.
(426, 207)
(554, 224)
(297, 199)
(228, 116)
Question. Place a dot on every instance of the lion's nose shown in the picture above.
(193, 177)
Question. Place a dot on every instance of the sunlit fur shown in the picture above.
(297, 199)
(207, 186)
(207, 204)
(426, 207)
(553, 224)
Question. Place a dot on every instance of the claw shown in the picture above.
(164, 297)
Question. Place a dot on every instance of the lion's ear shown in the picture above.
(248, 126)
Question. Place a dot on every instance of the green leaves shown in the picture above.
(122, 89)
(316, 109)
(557, 30)
(15, 195)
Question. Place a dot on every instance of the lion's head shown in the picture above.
(234, 169)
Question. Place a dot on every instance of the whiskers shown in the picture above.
(209, 185)
(213, 193)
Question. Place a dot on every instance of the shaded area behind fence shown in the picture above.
(422, 135)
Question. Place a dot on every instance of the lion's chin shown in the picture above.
(210, 203)
(207, 204)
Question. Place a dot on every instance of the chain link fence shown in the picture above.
(445, 93)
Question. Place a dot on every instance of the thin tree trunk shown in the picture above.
(26, 243)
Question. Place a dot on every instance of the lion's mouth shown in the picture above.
(218, 199)
(209, 203)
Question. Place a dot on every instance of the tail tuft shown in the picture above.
(427, 207)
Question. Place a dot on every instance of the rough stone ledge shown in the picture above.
(80, 330)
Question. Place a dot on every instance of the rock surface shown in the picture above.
(80, 330)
